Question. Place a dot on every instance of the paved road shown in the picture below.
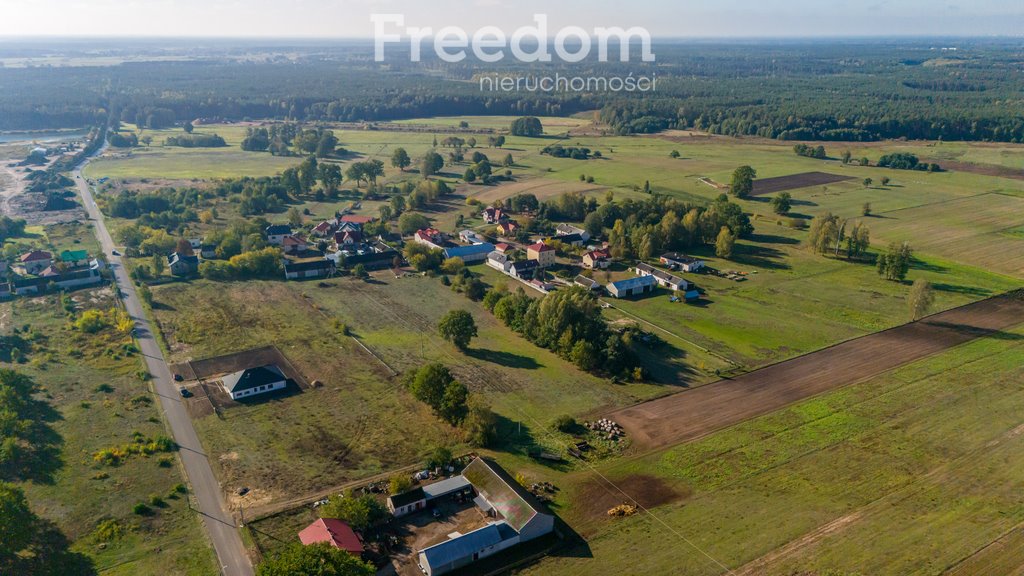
(221, 527)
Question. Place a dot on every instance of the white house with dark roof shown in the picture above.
(254, 381)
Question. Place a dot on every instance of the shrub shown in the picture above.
(141, 509)
(565, 423)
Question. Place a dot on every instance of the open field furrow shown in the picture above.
(695, 413)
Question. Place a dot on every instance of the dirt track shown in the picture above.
(695, 413)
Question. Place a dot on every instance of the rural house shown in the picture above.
(253, 381)
(492, 215)
(524, 269)
(474, 253)
(294, 244)
(35, 261)
(632, 286)
(542, 253)
(663, 278)
(431, 237)
(323, 229)
(182, 264)
(677, 261)
(334, 532)
(507, 228)
(276, 233)
(499, 261)
(596, 259)
(407, 502)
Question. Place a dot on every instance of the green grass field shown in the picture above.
(909, 472)
(100, 401)
(361, 422)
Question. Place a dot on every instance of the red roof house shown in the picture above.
(36, 255)
(334, 532)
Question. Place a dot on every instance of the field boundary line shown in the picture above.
(674, 335)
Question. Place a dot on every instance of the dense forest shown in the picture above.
(797, 90)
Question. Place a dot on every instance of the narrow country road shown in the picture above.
(231, 554)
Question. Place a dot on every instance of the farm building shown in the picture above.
(208, 251)
(542, 253)
(520, 517)
(474, 253)
(277, 232)
(677, 261)
(182, 264)
(30, 285)
(470, 237)
(570, 239)
(319, 268)
(407, 502)
(467, 548)
(253, 381)
(570, 230)
(588, 283)
(74, 257)
(632, 286)
(520, 509)
(334, 532)
(664, 279)
(502, 247)
(596, 259)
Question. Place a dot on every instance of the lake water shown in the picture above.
(54, 136)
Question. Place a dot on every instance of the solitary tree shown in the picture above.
(782, 203)
(400, 159)
(885, 180)
(895, 262)
(867, 182)
(866, 209)
(431, 164)
(189, 128)
(920, 299)
(457, 327)
(742, 183)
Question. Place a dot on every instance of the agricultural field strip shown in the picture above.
(1016, 536)
(877, 504)
(672, 334)
(606, 482)
(727, 402)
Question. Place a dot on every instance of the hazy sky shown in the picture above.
(350, 18)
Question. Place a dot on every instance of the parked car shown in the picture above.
(115, 253)
(185, 393)
(178, 378)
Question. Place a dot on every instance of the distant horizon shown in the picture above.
(660, 38)
(671, 19)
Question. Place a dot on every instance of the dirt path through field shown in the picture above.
(694, 413)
